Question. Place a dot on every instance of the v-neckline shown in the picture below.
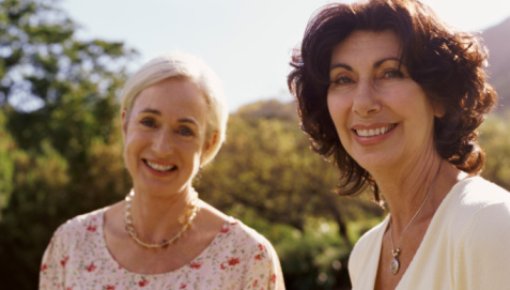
(433, 223)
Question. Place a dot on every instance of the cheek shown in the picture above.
(125, 153)
(337, 110)
(129, 148)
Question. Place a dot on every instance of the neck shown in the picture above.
(156, 218)
(405, 189)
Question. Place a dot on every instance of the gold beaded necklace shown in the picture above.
(185, 220)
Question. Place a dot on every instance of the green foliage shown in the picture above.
(60, 149)
(315, 258)
(7, 147)
(495, 141)
(39, 179)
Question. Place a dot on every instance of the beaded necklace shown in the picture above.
(185, 220)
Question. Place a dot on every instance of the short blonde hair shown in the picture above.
(176, 65)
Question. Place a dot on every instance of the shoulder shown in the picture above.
(246, 238)
(479, 191)
(248, 255)
(485, 205)
(88, 221)
(480, 227)
(236, 237)
(74, 230)
(265, 265)
(476, 199)
(251, 249)
(477, 215)
(66, 242)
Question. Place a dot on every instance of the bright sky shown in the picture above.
(247, 42)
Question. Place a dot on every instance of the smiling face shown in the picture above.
(165, 136)
(382, 116)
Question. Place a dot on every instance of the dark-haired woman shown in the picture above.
(394, 97)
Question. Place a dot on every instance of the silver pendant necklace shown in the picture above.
(396, 251)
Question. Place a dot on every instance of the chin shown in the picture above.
(371, 162)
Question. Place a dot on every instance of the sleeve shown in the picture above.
(52, 270)
(265, 272)
(485, 251)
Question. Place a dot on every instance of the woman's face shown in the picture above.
(165, 136)
(382, 116)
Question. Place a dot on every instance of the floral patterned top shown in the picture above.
(237, 258)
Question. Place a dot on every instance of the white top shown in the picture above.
(466, 246)
(237, 258)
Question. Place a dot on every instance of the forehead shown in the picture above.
(173, 97)
(367, 45)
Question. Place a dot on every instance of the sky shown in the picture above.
(248, 43)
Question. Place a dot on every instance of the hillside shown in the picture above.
(496, 38)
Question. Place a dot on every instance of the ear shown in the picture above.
(209, 143)
(438, 108)
(439, 111)
(124, 123)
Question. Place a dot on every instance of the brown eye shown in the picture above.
(392, 74)
(342, 80)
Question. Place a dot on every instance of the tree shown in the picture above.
(62, 151)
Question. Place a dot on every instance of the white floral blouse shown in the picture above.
(237, 258)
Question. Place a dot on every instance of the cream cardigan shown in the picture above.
(466, 247)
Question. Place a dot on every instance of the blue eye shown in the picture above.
(185, 131)
(148, 122)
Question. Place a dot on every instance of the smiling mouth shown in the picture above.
(159, 167)
(374, 131)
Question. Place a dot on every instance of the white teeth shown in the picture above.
(160, 167)
(372, 132)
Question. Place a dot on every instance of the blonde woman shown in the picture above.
(163, 236)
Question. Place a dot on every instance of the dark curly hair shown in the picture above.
(447, 64)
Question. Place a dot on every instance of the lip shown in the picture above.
(374, 133)
(158, 167)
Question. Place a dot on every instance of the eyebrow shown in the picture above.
(376, 64)
(188, 120)
(151, 111)
(181, 120)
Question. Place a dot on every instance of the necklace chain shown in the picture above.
(185, 220)
(395, 252)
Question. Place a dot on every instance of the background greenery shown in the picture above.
(60, 155)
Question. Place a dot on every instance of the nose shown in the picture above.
(163, 143)
(366, 100)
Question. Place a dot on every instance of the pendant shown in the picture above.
(395, 262)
